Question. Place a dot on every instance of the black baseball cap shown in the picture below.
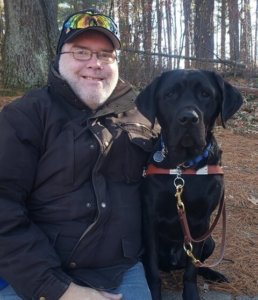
(85, 20)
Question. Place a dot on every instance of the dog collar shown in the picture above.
(159, 155)
(206, 170)
(197, 159)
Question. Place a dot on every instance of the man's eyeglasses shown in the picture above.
(89, 19)
(86, 54)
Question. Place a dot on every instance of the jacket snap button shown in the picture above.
(72, 265)
(106, 144)
(92, 146)
(103, 204)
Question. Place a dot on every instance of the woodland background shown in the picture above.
(156, 35)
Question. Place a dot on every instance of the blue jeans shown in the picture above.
(133, 286)
(8, 293)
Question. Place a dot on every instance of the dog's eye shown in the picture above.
(171, 93)
(204, 94)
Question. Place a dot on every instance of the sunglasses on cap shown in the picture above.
(89, 19)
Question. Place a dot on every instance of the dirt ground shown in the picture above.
(239, 143)
(240, 160)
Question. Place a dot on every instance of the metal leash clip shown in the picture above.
(188, 248)
(179, 181)
(179, 184)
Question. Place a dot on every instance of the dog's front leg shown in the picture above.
(190, 289)
(150, 258)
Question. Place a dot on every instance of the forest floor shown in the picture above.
(239, 143)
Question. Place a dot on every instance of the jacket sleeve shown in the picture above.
(27, 260)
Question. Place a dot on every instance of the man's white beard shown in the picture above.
(93, 98)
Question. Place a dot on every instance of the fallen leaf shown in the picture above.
(253, 200)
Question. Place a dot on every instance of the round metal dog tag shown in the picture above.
(158, 156)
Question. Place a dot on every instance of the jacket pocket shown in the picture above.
(131, 249)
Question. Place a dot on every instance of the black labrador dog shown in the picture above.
(186, 104)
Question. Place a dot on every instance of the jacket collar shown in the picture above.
(121, 100)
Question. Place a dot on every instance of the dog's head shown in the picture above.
(186, 104)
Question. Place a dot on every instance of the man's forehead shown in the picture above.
(92, 38)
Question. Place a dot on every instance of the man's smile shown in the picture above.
(92, 78)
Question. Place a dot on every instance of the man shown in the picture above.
(71, 157)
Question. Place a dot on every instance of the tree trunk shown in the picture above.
(204, 31)
(176, 28)
(147, 24)
(169, 30)
(31, 29)
(256, 36)
(245, 40)
(233, 29)
(49, 9)
(1, 21)
(223, 29)
(159, 25)
(187, 15)
(136, 27)
(125, 35)
(147, 35)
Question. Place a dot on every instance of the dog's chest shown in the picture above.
(200, 196)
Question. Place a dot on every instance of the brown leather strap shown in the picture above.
(206, 170)
(185, 226)
(187, 234)
(222, 246)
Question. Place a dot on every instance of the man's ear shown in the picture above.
(147, 100)
(231, 100)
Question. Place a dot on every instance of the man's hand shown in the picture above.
(77, 292)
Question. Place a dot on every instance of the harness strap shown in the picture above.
(206, 170)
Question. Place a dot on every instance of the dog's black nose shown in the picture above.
(188, 117)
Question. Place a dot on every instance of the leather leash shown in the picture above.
(188, 239)
(179, 184)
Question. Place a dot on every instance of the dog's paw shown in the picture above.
(155, 288)
(156, 295)
(212, 275)
(190, 291)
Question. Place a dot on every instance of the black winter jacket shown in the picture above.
(70, 206)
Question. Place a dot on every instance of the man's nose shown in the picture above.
(94, 61)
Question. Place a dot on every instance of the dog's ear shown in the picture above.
(231, 99)
(146, 101)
